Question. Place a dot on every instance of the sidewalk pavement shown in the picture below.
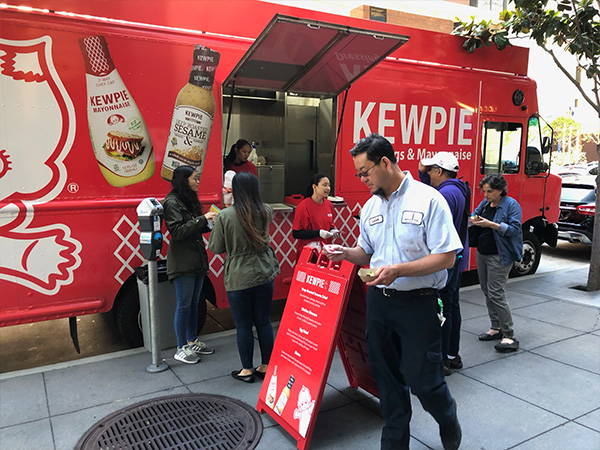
(545, 396)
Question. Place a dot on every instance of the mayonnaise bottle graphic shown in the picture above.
(120, 140)
(284, 396)
(192, 116)
(272, 389)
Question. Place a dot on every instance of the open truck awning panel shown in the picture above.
(310, 57)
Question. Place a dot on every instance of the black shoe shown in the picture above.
(447, 370)
(451, 435)
(454, 363)
(259, 374)
(490, 337)
(507, 348)
(245, 378)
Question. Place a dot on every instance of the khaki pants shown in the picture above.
(492, 279)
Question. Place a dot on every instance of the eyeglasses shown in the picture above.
(365, 173)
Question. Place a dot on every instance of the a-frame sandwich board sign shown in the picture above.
(295, 380)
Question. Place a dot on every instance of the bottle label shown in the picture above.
(119, 137)
(188, 139)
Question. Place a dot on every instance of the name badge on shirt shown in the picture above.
(412, 217)
(375, 220)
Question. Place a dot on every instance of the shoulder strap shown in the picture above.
(464, 223)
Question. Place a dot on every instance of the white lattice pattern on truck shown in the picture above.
(128, 253)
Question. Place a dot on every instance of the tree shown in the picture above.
(571, 25)
(568, 139)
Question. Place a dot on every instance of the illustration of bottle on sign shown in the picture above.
(192, 115)
(272, 390)
(120, 139)
(284, 396)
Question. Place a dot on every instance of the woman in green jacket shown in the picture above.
(241, 231)
(187, 263)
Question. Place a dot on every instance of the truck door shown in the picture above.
(513, 147)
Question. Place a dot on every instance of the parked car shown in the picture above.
(577, 209)
(576, 170)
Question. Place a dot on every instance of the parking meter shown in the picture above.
(149, 213)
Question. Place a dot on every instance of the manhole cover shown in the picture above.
(187, 421)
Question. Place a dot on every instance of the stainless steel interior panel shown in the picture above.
(258, 120)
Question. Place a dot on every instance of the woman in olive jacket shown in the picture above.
(241, 231)
(187, 263)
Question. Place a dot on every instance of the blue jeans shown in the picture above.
(450, 299)
(252, 307)
(188, 289)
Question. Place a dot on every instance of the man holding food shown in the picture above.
(408, 238)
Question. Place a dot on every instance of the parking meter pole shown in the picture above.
(157, 364)
(149, 213)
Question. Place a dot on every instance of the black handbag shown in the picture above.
(473, 234)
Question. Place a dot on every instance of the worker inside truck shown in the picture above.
(237, 158)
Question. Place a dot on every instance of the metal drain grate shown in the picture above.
(187, 421)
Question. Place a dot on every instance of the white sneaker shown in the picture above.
(186, 355)
(200, 348)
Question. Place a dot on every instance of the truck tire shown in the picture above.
(127, 315)
(532, 253)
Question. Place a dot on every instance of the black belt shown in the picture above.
(415, 292)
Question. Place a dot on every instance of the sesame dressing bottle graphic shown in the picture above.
(120, 140)
(284, 396)
(272, 389)
(192, 116)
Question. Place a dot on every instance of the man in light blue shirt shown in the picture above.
(407, 234)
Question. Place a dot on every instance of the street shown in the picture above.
(38, 344)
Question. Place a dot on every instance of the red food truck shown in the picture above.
(87, 116)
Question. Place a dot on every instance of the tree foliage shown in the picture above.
(572, 25)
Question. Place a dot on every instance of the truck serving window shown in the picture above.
(501, 147)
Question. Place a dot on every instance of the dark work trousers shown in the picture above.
(450, 299)
(404, 341)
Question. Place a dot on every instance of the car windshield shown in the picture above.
(577, 194)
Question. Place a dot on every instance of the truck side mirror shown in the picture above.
(546, 144)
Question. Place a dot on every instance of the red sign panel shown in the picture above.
(305, 343)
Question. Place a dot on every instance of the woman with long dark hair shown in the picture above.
(241, 231)
(187, 263)
(313, 218)
(237, 158)
(496, 224)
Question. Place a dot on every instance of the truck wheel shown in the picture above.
(127, 315)
(532, 253)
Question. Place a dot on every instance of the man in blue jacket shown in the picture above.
(440, 171)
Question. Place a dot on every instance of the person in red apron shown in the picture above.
(313, 218)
